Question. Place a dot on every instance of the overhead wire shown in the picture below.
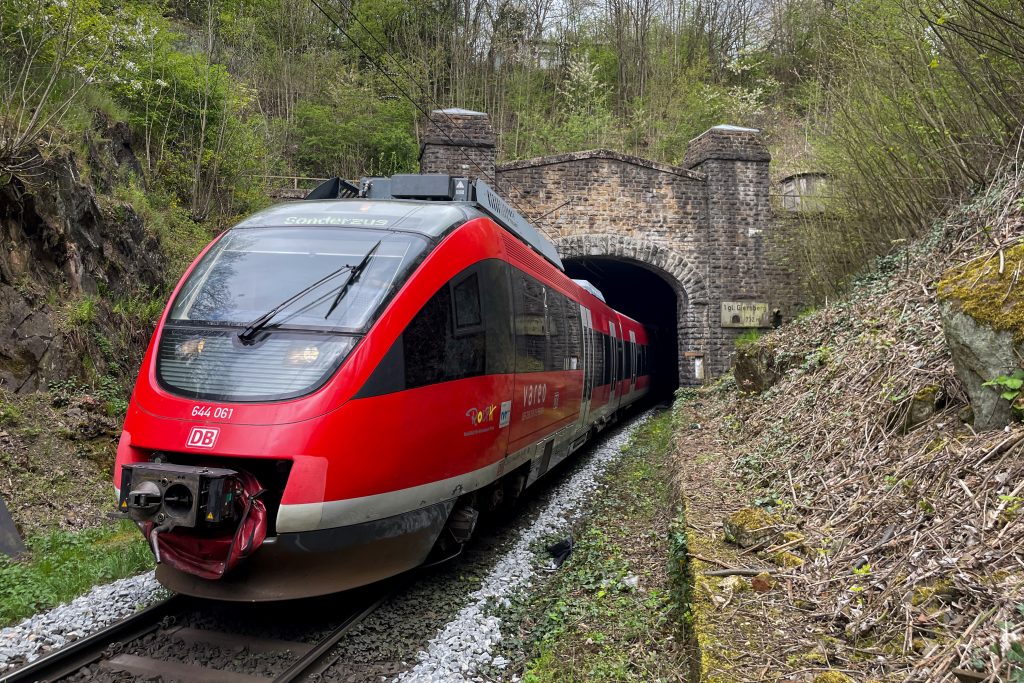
(440, 110)
(384, 72)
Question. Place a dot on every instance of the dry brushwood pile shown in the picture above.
(911, 523)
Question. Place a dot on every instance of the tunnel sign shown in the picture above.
(745, 314)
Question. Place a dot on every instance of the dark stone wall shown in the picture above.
(707, 228)
(65, 244)
(458, 142)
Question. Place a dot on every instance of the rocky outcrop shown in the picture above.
(758, 367)
(980, 354)
(62, 242)
(982, 309)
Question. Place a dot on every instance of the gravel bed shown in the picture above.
(103, 605)
(235, 659)
(462, 650)
(386, 642)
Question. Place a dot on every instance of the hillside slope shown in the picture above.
(903, 557)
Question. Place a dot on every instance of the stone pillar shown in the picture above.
(459, 142)
(735, 161)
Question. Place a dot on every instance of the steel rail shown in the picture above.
(95, 648)
(85, 651)
(303, 667)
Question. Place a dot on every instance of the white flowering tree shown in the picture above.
(49, 52)
(581, 116)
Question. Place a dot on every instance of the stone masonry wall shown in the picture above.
(734, 162)
(616, 201)
(458, 142)
(707, 229)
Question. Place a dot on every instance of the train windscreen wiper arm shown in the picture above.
(353, 276)
(253, 328)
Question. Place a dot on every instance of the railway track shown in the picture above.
(113, 653)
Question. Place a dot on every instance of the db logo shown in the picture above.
(202, 437)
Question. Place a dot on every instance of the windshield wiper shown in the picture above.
(353, 276)
(253, 328)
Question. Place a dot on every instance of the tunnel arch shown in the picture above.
(690, 288)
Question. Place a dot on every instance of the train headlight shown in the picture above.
(303, 355)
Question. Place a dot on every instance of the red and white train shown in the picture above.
(338, 385)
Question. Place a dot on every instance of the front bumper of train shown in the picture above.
(306, 564)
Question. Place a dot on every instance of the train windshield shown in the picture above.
(312, 291)
(250, 272)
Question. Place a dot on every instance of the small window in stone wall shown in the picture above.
(804, 192)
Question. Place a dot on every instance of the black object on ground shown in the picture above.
(560, 552)
(10, 540)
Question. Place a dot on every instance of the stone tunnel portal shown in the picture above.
(644, 295)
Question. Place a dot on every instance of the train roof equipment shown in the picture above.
(589, 286)
(443, 188)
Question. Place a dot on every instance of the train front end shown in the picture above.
(237, 436)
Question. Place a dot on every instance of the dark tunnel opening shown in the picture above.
(646, 297)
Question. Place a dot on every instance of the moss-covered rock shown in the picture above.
(795, 538)
(922, 406)
(750, 527)
(983, 319)
(991, 298)
(942, 590)
(815, 657)
(734, 584)
(832, 677)
(786, 559)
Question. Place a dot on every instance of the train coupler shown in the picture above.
(172, 496)
(199, 520)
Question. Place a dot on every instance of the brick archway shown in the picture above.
(689, 285)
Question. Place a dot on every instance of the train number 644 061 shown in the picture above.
(217, 413)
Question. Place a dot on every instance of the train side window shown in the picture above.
(425, 340)
(434, 352)
(620, 348)
(464, 330)
(557, 336)
(607, 349)
(597, 346)
(496, 300)
(466, 294)
(530, 324)
(447, 340)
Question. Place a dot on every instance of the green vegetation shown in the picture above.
(10, 414)
(905, 105)
(747, 338)
(612, 612)
(61, 565)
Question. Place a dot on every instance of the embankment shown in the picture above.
(888, 529)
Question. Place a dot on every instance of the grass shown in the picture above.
(10, 414)
(62, 565)
(594, 626)
(747, 338)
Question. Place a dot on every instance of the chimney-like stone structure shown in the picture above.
(459, 142)
(735, 162)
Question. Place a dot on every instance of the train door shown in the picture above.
(588, 367)
(613, 363)
(632, 361)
